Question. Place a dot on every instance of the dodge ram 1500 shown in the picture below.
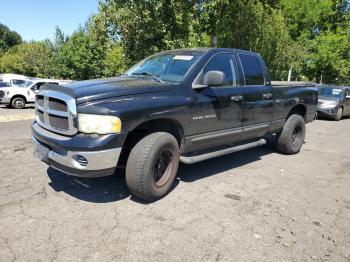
(184, 105)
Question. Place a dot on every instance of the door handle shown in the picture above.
(267, 95)
(236, 98)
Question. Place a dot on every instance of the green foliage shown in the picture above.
(329, 59)
(146, 27)
(28, 58)
(8, 38)
(306, 15)
(80, 58)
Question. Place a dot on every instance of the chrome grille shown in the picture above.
(56, 112)
(57, 104)
(59, 122)
(40, 100)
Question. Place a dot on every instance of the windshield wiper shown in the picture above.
(149, 74)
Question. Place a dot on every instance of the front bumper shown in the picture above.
(326, 112)
(92, 159)
(5, 100)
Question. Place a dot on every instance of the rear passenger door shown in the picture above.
(258, 96)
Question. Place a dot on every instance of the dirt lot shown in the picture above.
(255, 205)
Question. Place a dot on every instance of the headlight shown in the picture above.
(99, 124)
(328, 104)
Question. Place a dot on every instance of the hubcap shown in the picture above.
(296, 136)
(163, 167)
(19, 103)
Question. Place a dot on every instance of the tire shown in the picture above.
(18, 103)
(292, 136)
(339, 114)
(152, 166)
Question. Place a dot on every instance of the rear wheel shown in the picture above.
(339, 114)
(152, 166)
(292, 136)
(18, 103)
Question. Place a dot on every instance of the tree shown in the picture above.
(329, 59)
(31, 59)
(145, 27)
(8, 38)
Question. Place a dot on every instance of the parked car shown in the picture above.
(18, 96)
(185, 105)
(333, 102)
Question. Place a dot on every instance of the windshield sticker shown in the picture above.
(336, 91)
(183, 57)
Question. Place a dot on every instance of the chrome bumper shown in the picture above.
(82, 161)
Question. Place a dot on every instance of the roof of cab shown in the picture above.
(208, 49)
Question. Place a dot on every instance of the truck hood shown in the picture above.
(92, 90)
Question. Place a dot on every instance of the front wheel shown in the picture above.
(339, 114)
(18, 103)
(152, 166)
(292, 136)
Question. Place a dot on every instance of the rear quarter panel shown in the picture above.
(287, 97)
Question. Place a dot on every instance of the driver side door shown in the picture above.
(216, 110)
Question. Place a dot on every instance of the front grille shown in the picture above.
(40, 100)
(2, 94)
(59, 122)
(56, 112)
(40, 115)
(56, 104)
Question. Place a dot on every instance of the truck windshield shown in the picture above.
(330, 91)
(165, 67)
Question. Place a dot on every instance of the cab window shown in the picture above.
(253, 73)
(220, 62)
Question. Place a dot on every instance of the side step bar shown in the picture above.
(195, 159)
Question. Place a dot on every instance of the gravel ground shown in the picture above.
(255, 205)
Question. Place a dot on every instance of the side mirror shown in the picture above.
(214, 78)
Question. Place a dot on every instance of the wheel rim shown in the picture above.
(297, 135)
(163, 167)
(19, 103)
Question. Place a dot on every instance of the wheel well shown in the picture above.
(157, 125)
(21, 96)
(298, 110)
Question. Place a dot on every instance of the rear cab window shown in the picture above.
(253, 73)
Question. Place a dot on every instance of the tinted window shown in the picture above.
(252, 70)
(224, 63)
(4, 84)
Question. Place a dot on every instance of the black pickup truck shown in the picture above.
(184, 105)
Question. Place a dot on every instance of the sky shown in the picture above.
(37, 19)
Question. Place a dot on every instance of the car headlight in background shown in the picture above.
(328, 104)
(99, 124)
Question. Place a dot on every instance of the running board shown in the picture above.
(195, 159)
